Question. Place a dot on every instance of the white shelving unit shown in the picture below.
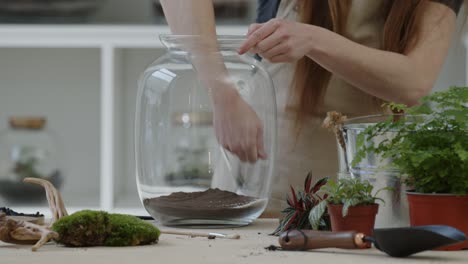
(90, 62)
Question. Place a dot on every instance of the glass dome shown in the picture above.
(28, 149)
(184, 176)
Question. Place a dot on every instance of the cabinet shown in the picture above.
(83, 78)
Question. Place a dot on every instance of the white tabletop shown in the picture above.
(250, 248)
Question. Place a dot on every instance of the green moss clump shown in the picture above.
(83, 228)
(127, 230)
(98, 228)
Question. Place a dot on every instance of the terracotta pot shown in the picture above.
(440, 209)
(360, 218)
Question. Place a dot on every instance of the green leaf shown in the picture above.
(419, 110)
(461, 152)
(316, 214)
(346, 205)
(396, 107)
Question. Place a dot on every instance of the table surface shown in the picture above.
(250, 248)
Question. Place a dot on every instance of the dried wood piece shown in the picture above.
(22, 232)
(333, 122)
(54, 198)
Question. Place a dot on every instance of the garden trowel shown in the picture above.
(396, 242)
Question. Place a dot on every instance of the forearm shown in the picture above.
(190, 17)
(196, 17)
(386, 75)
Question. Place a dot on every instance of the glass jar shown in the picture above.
(184, 176)
(27, 149)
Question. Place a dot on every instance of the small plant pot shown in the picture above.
(440, 209)
(360, 218)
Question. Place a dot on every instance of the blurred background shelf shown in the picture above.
(135, 12)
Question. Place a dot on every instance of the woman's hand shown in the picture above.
(237, 126)
(279, 40)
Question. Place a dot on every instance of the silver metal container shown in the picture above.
(394, 212)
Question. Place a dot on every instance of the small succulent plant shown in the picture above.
(346, 191)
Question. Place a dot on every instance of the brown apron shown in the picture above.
(315, 149)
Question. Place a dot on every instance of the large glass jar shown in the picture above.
(28, 149)
(184, 176)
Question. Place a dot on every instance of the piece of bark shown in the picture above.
(17, 231)
(334, 122)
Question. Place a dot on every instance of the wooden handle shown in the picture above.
(309, 239)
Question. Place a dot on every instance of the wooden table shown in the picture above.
(250, 248)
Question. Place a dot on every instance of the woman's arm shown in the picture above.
(196, 17)
(402, 78)
(237, 127)
(190, 17)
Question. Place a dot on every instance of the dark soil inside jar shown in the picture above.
(209, 204)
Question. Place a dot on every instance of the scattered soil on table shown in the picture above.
(272, 248)
(36, 218)
(10, 212)
(209, 204)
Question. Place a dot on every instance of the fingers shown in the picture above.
(247, 147)
(254, 149)
(258, 35)
(253, 28)
(239, 130)
(245, 154)
(260, 146)
(279, 58)
(248, 151)
(269, 43)
(275, 51)
(251, 152)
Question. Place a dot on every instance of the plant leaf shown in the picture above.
(316, 214)
(319, 184)
(308, 182)
(347, 204)
(294, 197)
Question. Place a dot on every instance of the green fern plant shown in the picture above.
(430, 142)
(346, 191)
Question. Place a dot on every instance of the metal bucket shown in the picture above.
(394, 212)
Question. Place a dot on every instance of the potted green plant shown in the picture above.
(350, 204)
(429, 147)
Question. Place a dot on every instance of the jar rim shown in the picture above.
(380, 117)
(177, 42)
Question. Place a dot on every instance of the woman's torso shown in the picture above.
(315, 148)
